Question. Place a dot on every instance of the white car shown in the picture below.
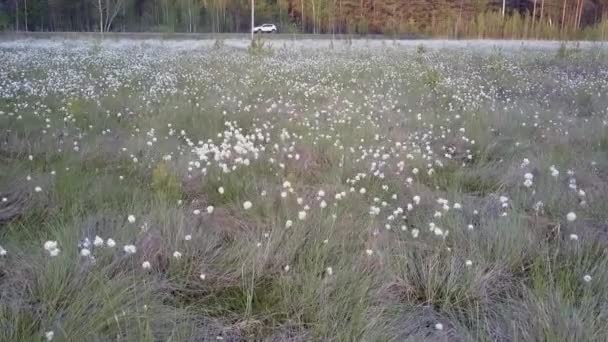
(266, 28)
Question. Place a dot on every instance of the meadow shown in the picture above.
(202, 192)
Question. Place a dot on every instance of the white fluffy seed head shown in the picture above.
(571, 216)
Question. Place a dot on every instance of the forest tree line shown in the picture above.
(446, 18)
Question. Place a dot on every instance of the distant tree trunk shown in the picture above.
(16, 15)
(542, 11)
(100, 16)
(534, 14)
(563, 16)
(314, 18)
(580, 14)
(504, 6)
(25, 13)
(303, 17)
(252, 17)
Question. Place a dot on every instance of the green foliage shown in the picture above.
(259, 47)
(4, 21)
(165, 183)
(218, 44)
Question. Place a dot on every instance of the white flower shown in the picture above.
(528, 183)
(129, 249)
(329, 271)
(415, 233)
(98, 242)
(196, 211)
(571, 216)
(2, 251)
(587, 278)
(362, 191)
(247, 205)
(321, 193)
(529, 176)
(49, 335)
(210, 209)
(50, 245)
(110, 243)
(369, 252)
(470, 227)
(131, 219)
(202, 276)
(573, 237)
(286, 268)
(37, 189)
(146, 265)
(302, 215)
(554, 171)
(288, 224)
(177, 255)
(439, 326)
(457, 206)
(85, 252)
(416, 199)
(323, 204)
(188, 237)
(468, 263)
(220, 190)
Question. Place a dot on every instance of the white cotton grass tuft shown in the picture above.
(98, 241)
(129, 249)
(210, 209)
(571, 216)
(587, 278)
(110, 243)
(131, 218)
(146, 265)
(49, 335)
(439, 326)
(247, 205)
(302, 215)
(51, 247)
(3, 251)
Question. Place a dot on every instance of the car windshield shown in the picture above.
(267, 25)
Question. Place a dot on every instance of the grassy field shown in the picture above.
(150, 193)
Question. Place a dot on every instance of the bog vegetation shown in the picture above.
(150, 192)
